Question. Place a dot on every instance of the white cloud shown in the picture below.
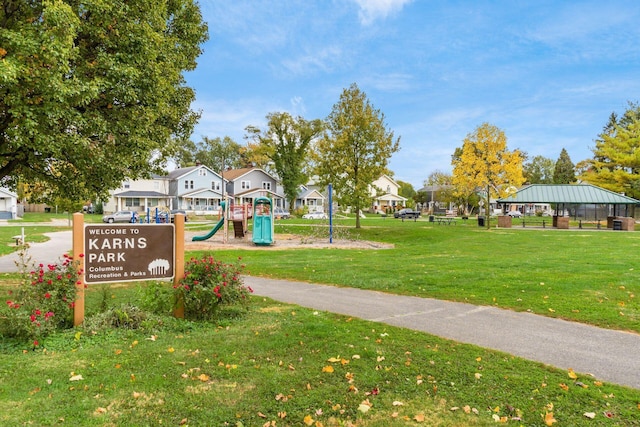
(370, 10)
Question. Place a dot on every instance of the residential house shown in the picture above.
(384, 192)
(195, 188)
(310, 198)
(9, 204)
(246, 184)
(140, 194)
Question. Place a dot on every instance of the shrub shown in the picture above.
(43, 302)
(209, 284)
(127, 316)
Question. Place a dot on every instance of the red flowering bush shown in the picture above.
(43, 303)
(209, 284)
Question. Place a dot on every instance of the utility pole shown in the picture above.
(225, 221)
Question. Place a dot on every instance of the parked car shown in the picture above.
(406, 213)
(121, 216)
(514, 214)
(315, 215)
(173, 213)
(281, 213)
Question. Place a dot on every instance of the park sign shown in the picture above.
(128, 252)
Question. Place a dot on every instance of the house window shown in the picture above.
(202, 172)
(151, 203)
(215, 185)
(131, 201)
(245, 185)
(126, 184)
(388, 189)
(266, 185)
(188, 185)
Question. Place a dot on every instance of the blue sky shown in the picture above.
(548, 73)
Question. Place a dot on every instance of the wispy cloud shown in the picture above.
(371, 10)
(323, 60)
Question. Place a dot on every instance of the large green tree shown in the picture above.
(616, 155)
(92, 91)
(355, 150)
(539, 170)
(286, 142)
(485, 164)
(564, 171)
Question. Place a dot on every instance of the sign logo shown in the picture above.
(128, 252)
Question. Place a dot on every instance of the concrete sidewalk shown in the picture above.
(48, 252)
(609, 355)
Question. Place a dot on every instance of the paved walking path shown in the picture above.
(609, 355)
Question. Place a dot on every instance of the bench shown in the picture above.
(18, 240)
(445, 220)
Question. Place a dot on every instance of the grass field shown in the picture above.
(283, 365)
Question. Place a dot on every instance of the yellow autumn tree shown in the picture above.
(484, 164)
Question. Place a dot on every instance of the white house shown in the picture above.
(138, 195)
(8, 204)
(384, 191)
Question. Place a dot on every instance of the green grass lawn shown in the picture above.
(286, 364)
(588, 276)
(283, 365)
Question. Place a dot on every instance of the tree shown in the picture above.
(539, 170)
(564, 171)
(93, 92)
(406, 189)
(355, 149)
(219, 153)
(485, 164)
(286, 143)
(616, 162)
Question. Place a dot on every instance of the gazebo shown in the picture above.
(616, 207)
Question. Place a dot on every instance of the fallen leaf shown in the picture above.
(333, 359)
(590, 415)
(100, 410)
(564, 387)
(397, 403)
(261, 415)
(466, 409)
(419, 418)
(308, 420)
(572, 374)
(76, 378)
(183, 421)
(328, 369)
(171, 350)
(478, 375)
(549, 420)
(203, 377)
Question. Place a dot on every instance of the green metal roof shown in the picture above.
(566, 193)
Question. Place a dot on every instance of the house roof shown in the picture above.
(392, 197)
(259, 192)
(202, 193)
(567, 193)
(310, 194)
(179, 173)
(233, 174)
(147, 194)
(8, 192)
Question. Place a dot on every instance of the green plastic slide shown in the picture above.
(209, 234)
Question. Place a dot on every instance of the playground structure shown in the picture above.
(262, 222)
(238, 216)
